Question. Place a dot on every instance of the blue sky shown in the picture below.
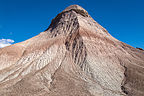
(23, 19)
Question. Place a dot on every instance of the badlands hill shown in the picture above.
(75, 56)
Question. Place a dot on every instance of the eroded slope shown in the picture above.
(75, 56)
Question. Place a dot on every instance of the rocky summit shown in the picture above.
(74, 56)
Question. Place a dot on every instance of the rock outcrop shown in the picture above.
(75, 56)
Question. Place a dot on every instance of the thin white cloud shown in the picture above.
(5, 42)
